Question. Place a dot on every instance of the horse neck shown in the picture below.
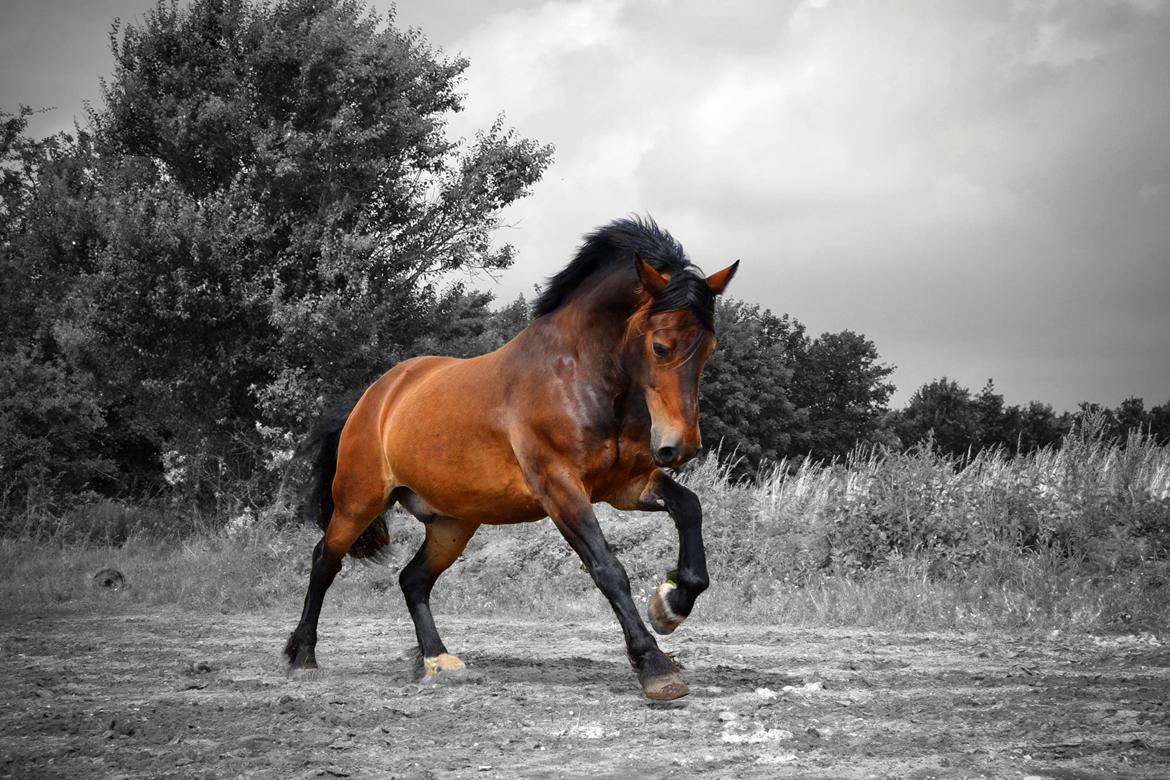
(592, 326)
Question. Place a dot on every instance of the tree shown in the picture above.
(998, 425)
(267, 212)
(52, 422)
(944, 410)
(1132, 415)
(744, 389)
(1040, 427)
(1160, 423)
(769, 392)
(840, 388)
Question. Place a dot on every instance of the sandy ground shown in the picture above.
(149, 694)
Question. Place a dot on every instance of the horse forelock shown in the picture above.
(687, 291)
(611, 249)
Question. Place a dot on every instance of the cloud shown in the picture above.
(980, 187)
(972, 185)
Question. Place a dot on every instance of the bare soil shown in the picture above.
(168, 693)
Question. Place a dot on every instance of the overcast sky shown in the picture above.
(982, 188)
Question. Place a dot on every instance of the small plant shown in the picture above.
(1075, 535)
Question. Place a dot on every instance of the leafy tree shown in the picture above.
(944, 411)
(468, 327)
(744, 390)
(51, 419)
(265, 212)
(1160, 423)
(999, 425)
(287, 206)
(1132, 415)
(769, 392)
(841, 390)
(1039, 427)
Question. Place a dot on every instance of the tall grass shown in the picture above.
(1075, 536)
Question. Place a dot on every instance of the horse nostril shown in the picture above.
(666, 454)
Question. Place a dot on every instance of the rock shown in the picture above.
(738, 734)
(109, 579)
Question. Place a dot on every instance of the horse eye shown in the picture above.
(661, 350)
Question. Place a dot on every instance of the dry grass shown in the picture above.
(1073, 537)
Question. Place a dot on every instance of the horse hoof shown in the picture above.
(666, 688)
(303, 672)
(444, 663)
(662, 618)
(302, 664)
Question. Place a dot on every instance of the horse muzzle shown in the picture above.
(670, 451)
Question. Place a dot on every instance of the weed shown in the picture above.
(1074, 536)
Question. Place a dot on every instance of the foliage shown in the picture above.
(52, 420)
(841, 388)
(265, 213)
(946, 415)
(1075, 536)
(769, 392)
(745, 405)
(943, 410)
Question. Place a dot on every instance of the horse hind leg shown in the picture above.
(345, 526)
(446, 538)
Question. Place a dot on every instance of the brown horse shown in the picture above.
(589, 403)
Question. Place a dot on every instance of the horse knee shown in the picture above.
(688, 511)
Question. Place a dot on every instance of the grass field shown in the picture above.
(1074, 537)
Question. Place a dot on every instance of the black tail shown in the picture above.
(320, 449)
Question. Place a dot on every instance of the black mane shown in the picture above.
(612, 248)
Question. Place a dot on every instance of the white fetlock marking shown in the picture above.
(444, 662)
(663, 590)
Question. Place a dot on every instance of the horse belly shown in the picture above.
(474, 490)
(443, 441)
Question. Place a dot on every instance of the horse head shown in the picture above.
(668, 340)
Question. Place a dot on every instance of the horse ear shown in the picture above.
(648, 275)
(719, 280)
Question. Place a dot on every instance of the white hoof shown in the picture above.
(662, 618)
(444, 662)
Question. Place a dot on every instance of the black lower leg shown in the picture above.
(416, 583)
(302, 643)
(645, 655)
(584, 535)
(690, 578)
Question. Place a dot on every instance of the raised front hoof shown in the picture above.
(662, 618)
(442, 665)
(666, 687)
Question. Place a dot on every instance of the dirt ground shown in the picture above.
(149, 694)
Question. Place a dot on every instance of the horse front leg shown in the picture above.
(571, 511)
(674, 599)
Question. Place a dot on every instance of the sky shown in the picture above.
(982, 188)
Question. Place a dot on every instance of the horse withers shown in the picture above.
(592, 402)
